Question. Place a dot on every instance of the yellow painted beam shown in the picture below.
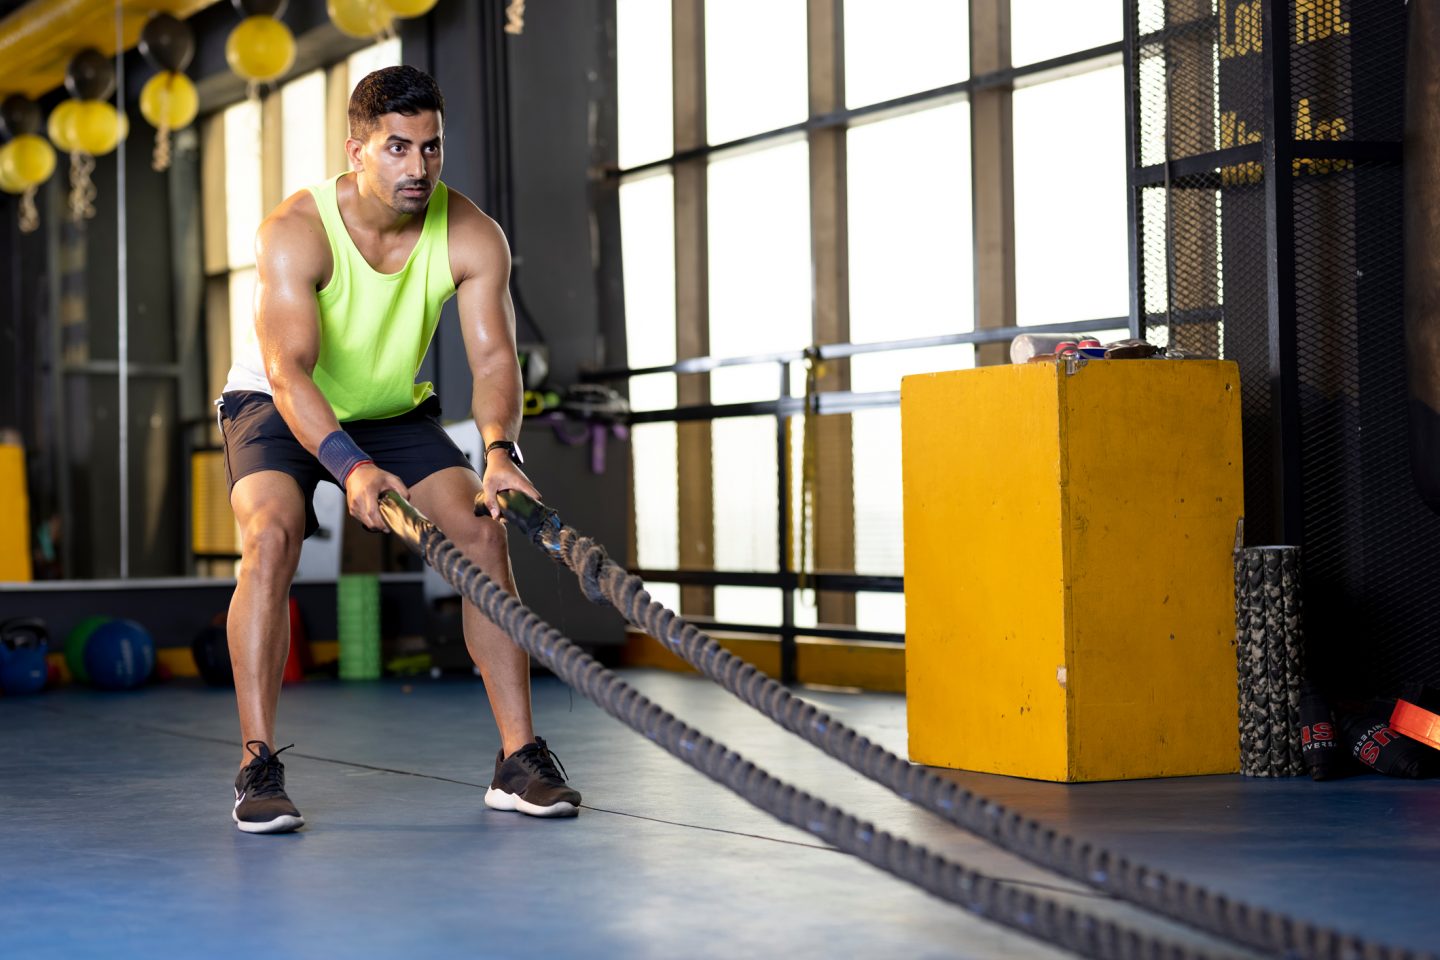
(38, 40)
(878, 667)
(834, 663)
(14, 515)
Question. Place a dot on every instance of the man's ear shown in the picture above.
(355, 152)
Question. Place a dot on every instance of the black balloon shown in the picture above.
(168, 43)
(19, 115)
(90, 76)
(259, 8)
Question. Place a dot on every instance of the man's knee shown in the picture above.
(484, 539)
(271, 545)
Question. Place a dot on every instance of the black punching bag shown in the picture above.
(1422, 245)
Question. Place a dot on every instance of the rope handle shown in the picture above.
(529, 516)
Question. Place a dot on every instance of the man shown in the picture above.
(351, 275)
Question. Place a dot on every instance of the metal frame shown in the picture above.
(832, 351)
(829, 539)
(1135, 242)
(992, 177)
(1280, 152)
(694, 466)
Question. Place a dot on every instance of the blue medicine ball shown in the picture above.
(119, 655)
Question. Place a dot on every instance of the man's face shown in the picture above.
(401, 159)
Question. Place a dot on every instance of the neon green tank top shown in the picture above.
(375, 327)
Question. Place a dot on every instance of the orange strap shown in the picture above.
(1417, 723)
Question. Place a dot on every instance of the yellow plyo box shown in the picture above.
(1069, 580)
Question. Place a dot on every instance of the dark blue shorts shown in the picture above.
(412, 446)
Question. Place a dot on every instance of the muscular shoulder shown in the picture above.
(291, 241)
(478, 247)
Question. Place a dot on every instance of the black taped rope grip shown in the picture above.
(1032, 913)
(605, 582)
(525, 513)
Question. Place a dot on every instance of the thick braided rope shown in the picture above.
(1187, 903)
(1034, 914)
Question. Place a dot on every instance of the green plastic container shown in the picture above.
(358, 597)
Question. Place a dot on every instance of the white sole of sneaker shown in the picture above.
(278, 825)
(497, 799)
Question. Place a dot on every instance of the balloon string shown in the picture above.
(29, 216)
(160, 161)
(82, 188)
(515, 17)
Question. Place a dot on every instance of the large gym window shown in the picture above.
(1071, 260)
(842, 217)
(1043, 29)
(934, 36)
(648, 209)
(643, 77)
(754, 66)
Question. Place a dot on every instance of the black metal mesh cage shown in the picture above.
(1198, 98)
(1322, 326)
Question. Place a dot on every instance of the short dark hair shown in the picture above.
(402, 90)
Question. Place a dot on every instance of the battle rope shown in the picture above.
(1034, 914)
(606, 583)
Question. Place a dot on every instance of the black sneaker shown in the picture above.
(529, 782)
(261, 805)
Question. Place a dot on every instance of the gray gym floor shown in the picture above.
(117, 838)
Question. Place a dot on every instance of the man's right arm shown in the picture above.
(291, 259)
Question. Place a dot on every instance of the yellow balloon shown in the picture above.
(7, 183)
(27, 160)
(260, 49)
(408, 8)
(59, 124)
(94, 127)
(359, 18)
(169, 99)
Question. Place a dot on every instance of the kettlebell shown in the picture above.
(24, 641)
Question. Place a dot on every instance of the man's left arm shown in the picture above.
(487, 323)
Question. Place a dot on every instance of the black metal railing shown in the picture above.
(822, 402)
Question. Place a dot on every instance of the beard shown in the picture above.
(405, 203)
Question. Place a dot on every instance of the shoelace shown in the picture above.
(543, 762)
(267, 776)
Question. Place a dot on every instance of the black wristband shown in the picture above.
(340, 454)
(509, 446)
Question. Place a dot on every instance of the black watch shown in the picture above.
(509, 446)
